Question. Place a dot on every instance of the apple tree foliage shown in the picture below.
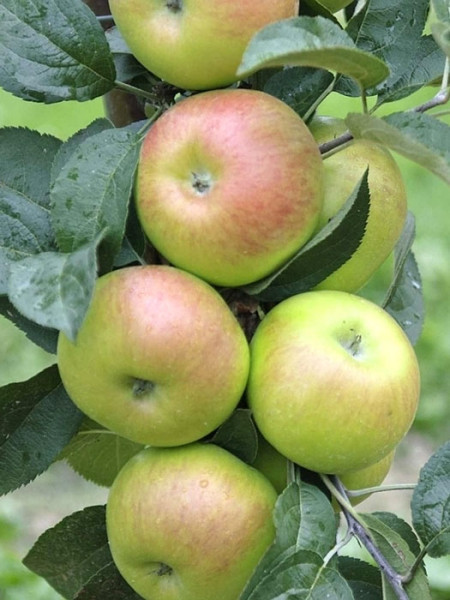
(66, 217)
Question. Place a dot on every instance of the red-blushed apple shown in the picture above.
(195, 44)
(159, 359)
(388, 208)
(189, 523)
(334, 381)
(371, 476)
(229, 185)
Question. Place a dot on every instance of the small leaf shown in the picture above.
(92, 190)
(426, 65)
(401, 527)
(53, 50)
(431, 503)
(238, 435)
(323, 254)
(41, 336)
(404, 299)
(302, 88)
(25, 226)
(107, 583)
(441, 33)
(54, 289)
(311, 42)
(398, 553)
(305, 523)
(127, 67)
(98, 454)
(419, 137)
(70, 553)
(364, 579)
(391, 32)
(37, 419)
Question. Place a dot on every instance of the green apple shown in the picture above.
(189, 523)
(159, 359)
(271, 464)
(342, 171)
(370, 476)
(229, 185)
(195, 44)
(334, 381)
(335, 5)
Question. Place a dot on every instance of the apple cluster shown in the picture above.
(230, 185)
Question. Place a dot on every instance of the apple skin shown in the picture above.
(189, 523)
(195, 44)
(159, 359)
(370, 476)
(229, 185)
(334, 381)
(388, 210)
(271, 464)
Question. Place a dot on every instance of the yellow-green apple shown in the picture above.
(189, 523)
(388, 209)
(229, 185)
(335, 5)
(159, 359)
(195, 44)
(272, 464)
(369, 477)
(334, 381)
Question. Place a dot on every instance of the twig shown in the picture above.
(357, 528)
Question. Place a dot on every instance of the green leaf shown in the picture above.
(97, 454)
(306, 530)
(441, 33)
(238, 435)
(323, 254)
(311, 42)
(72, 552)
(299, 576)
(364, 579)
(54, 289)
(91, 192)
(107, 583)
(426, 65)
(37, 419)
(419, 137)
(442, 9)
(41, 336)
(397, 552)
(431, 503)
(391, 32)
(404, 299)
(401, 527)
(25, 226)
(302, 88)
(70, 146)
(53, 50)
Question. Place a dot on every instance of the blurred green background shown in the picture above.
(27, 512)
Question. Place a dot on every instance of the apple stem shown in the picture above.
(357, 528)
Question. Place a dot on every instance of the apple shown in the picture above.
(335, 5)
(371, 476)
(388, 210)
(271, 464)
(159, 359)
(229, 185)
(334, 381)
(189, 523)
(195, 44)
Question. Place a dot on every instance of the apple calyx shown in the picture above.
(201, 182)
(142, 387)
(163, 569)
(175, 5)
